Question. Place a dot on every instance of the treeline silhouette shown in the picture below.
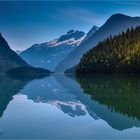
(120, 53)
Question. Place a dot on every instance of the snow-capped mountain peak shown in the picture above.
(70, 31)
(72, 37)
(49, 54)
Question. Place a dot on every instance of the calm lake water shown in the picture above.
(60, 106)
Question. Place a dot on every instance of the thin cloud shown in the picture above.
(83, 15)
(137, 2)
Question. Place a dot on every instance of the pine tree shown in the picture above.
(120, 53)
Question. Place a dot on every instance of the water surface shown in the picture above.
(60, 106)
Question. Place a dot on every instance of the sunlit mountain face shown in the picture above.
(48, 55)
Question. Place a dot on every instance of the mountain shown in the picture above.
(49, 54)
(113, 26)
(18, 52)
(91, 32)
(8, 58)
(119, 54)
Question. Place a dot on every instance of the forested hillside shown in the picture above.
(113, 26)
(119, 53)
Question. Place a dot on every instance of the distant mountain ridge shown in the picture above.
(8, 58)
(48, 55)
(91, 32)
(113, 26)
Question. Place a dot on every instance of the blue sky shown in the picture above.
(24, 23)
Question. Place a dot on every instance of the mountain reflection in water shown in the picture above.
(114, 99)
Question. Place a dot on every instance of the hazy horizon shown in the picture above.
(29, 22)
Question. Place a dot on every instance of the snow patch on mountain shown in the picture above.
(49, 54)
(71, 38)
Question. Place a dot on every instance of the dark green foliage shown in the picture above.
(120, 53)
(119, 93)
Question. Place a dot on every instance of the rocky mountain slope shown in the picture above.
(8, 58)
(48, 55)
